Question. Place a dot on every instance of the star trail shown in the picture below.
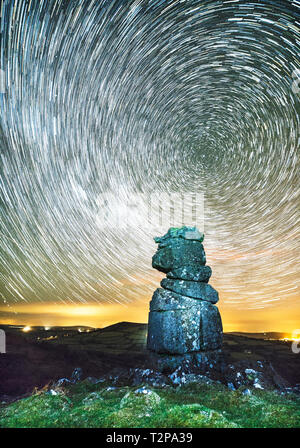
(149, 96)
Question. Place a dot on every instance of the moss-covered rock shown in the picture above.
(140, 397)
(197, 415)
(90, 398)
(40, 410)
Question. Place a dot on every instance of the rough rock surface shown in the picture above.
(200, 367)
(209, 363)
(194, 273)
(177, 253)
(253, 374)
(181, 329)
(196, 290)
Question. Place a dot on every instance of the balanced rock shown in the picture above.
(189, 288)
(185, 327)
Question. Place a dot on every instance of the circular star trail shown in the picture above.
(150, 96)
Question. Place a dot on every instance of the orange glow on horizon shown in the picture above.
(281, 318)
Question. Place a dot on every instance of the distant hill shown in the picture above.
(134, 325)
(271, 335)
(124, 326)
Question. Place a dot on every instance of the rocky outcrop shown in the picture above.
(185, 327)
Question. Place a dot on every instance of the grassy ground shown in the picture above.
(193, 405)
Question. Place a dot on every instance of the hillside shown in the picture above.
(37, 357)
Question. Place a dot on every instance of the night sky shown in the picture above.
(150, 97)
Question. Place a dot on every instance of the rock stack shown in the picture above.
(185, 327)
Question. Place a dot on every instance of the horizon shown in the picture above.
(100, 316)
(79, 326)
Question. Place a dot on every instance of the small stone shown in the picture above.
(93, 380)
(141, 397)
(91, 398)
(53, 392)
(257, 385)
(193, 362)
(110, 388)
(143, 390)
(76, 375)
(246, 392)
(63, 382)
(198, 379)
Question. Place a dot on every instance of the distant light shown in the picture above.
(47, 328)
(26, 329)
(290, 339)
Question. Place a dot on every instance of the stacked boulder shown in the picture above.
(185, 327)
